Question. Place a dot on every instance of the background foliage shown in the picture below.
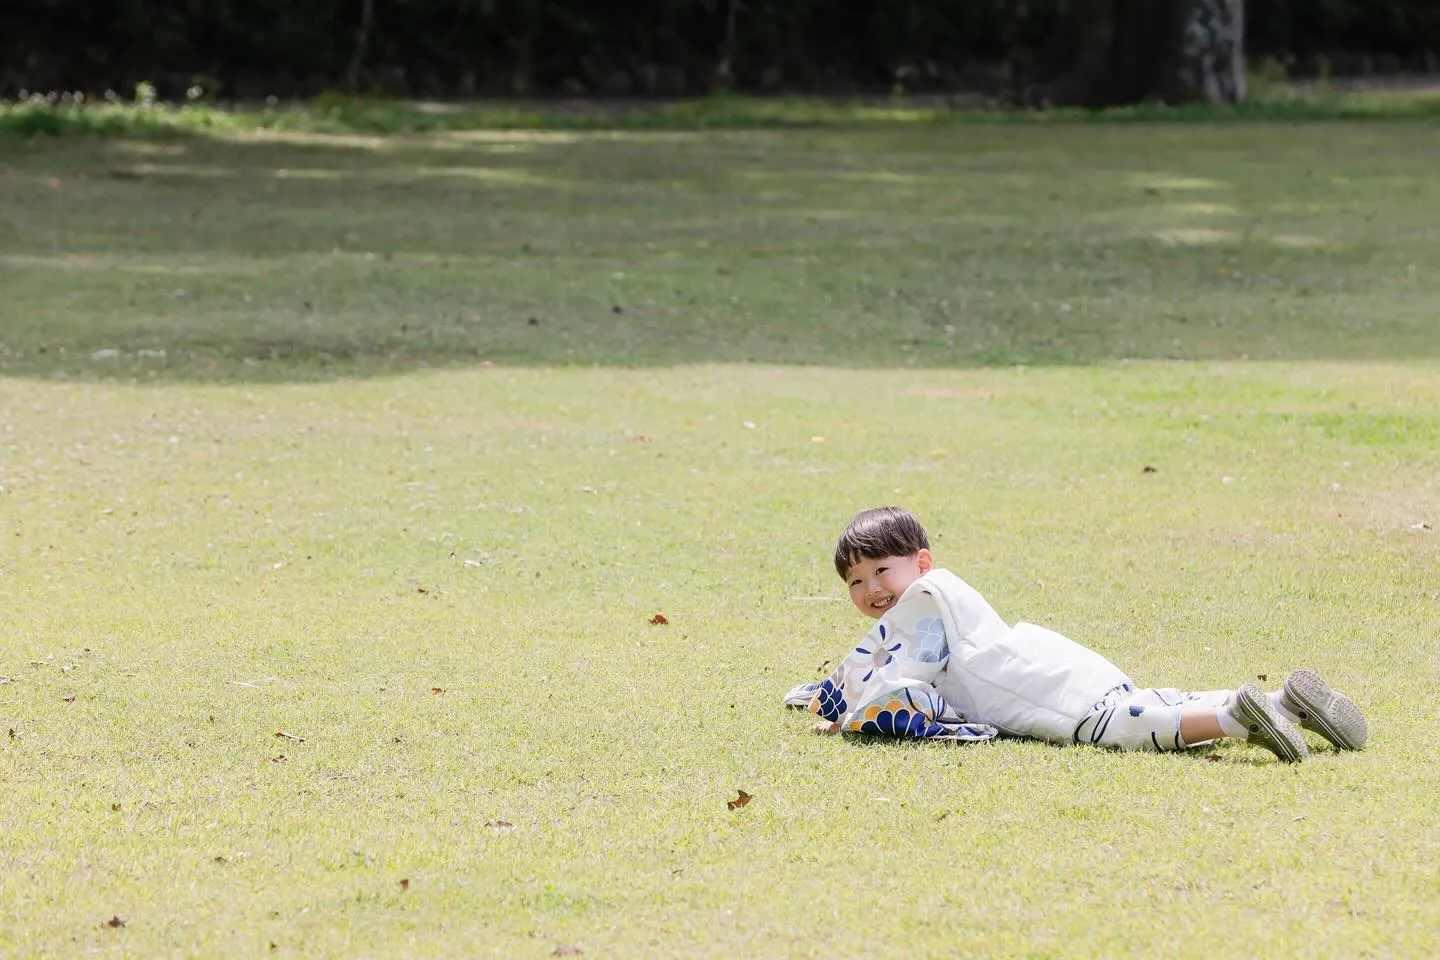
(248, 50)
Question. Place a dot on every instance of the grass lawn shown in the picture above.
(396, 445)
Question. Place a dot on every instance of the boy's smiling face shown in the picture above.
(876, 583)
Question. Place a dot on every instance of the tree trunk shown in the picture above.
(1212, 53)
(1108, 53)
(362, 40)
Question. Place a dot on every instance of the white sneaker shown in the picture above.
(1268, 728)
(1332, 715)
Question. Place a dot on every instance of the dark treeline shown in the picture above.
(250, 49)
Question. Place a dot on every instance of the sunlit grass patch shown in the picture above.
(1195, 236)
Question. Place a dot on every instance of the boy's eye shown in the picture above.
(880, 570)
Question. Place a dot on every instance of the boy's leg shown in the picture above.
(1147, 719)
(1168, 719)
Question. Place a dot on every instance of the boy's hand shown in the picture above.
(826, 726)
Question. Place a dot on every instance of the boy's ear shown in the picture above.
(927, 562)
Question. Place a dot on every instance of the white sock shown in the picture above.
(1230, 726)
(1277, 698)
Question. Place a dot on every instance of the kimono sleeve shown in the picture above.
(886, 684)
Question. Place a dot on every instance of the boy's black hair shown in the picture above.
(880, 532)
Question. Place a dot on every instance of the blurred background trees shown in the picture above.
(1061, 51)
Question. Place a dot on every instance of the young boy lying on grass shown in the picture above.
(940, 663)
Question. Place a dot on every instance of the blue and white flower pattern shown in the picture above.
(880, 652)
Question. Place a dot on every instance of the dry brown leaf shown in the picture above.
(738, 802)
(659, 620)
(114, 921)
(220, 859)
(1213, 757)
(1149, 469)
(405, 883)
(279, 758)
(70, 699)
(1262, 677)
(115, 807)
(437, 690)
(501, 826)
(394, 739)
(289, 736)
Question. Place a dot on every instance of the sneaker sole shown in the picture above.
(1332, 715)
(1260, 715)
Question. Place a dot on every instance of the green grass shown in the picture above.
(281, 450)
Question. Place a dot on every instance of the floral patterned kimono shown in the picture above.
(887, 684)
(942, 664)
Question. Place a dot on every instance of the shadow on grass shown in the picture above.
(1231, 753)
(295, 256)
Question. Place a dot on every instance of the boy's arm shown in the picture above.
(801, 694)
